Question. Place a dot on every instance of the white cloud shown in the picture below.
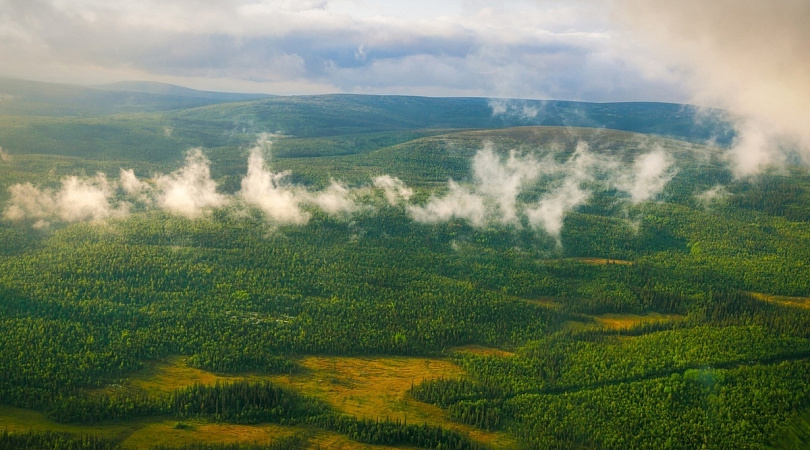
(190, 190)
(335, 199)
(580, 168)
(550, 211)
(393, 188)
(266, 190)
(748, 56)
(502, 181)
(519, 49)
(650, 174)
(78, 199)
(458, 203)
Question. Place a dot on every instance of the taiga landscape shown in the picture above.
(290, 266)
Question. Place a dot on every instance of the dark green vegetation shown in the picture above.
(83, 305)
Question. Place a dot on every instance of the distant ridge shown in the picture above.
(35, 98)
(343, 114)
(153, 87)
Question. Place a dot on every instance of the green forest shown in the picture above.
(622, 287)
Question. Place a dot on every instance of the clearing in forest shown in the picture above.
(366, 387)
(482, 351)
(377, 388)
(613, 321)
(795, 302)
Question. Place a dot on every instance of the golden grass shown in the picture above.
(366, 387)
(165, 433)
(795, 302)
(377, 388)
(483, 351)
(371, 387)
(595, 261)
(613, 321)
(623, 321)
(22, 420)
(335, 441)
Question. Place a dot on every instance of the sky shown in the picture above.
(527, 49)
(748, 57)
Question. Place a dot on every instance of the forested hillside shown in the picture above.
(591, 287)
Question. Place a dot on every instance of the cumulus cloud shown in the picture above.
(393, 188)
(77, 200)
(744, 55)
(190, 190)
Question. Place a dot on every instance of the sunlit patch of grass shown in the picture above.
(335, 441)
(193, 431)
(614, 321)
(795, 302)
(626, 321)
(483, 351)
(376, 388)
(370, 387)
(22, 420)
(166, 375)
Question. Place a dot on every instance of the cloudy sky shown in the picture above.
(747, 56)
(578, 50)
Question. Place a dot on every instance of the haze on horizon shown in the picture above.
(746, 56)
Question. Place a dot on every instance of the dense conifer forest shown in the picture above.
(621, 312)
